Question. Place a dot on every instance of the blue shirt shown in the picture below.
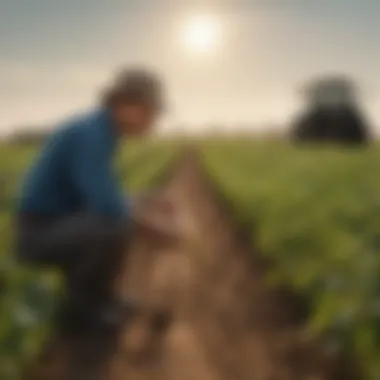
(74, 172)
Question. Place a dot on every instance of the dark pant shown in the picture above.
(89, 249)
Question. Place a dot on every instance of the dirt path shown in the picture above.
(208, 315)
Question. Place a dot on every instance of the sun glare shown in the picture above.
(201, 34)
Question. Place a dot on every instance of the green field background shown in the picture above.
(315, 212)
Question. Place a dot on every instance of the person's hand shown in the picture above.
(153, 202)
(156, 219)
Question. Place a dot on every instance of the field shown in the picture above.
(314, 212)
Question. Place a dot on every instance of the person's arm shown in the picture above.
(95, 179)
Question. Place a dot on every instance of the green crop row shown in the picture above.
(315, 212)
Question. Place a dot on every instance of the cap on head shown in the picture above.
(136, 85)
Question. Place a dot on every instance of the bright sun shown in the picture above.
(201, 34)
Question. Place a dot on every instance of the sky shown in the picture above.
(56, 56)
